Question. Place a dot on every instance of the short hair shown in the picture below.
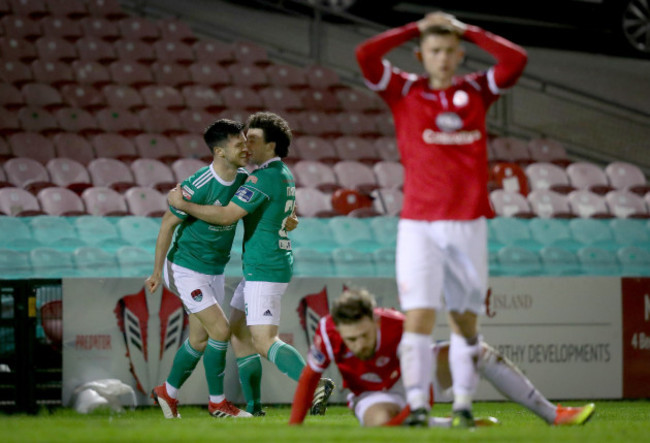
(275, 129)
(439, 30)
(352, 306)
(219, 132)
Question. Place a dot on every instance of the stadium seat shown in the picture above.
(548, 150)
(41, 95)
(51, 72)
(95, 262)
(94, 49)
(104, 202)
(553, 232)
(195, 121)
(111, 172)
(177, 30)
(60, 201)
(389, 174)
(281, 99)
(511, 150)
(138, 28)
(193, 146)
(315, 174)
(156, 146)
(51, 263)
(9, 122)
(350, 262)
(97, 231)
(350, 147)
(318, 124)
(518, 261)
(510, 204)
(15, 228)
(314, 233)
(130, 73)
(83, 96)
(134, 51)
(247, 75)
(22, 27)
(354, 100)
(628, 177)
(510, 177)
(387, 201)
(357, 124)
(138, 230)
(321, 77)
(27, 174)
(384, 229)
(214, 51)
(171, 74)
(74, 147)
(635, 262)
(19, 49)
(186, 167)
(310, 202)
(61, 26)
(52, 230)
(118, 120)
(593, 232)
(630, 232)
(32, 145)
(35, 119)
(134, 261)
(77, 120)
(165, 97)
(209, 73)
(10, 97)
(91, 73)
(386, 147)
(202, 97)
(153, 173)
(588, 176)
(559, 261)
(3, 179)
(286, 76)
(511, 231)
(626, 204)
(249, 52)
(14, 264)
(68, 173)
(112, 145)
(384, 259)
(543, 175)
(109, 9)
(123, 97)
(586, 204)
(172, 51)
(72, 9)
(344, 201)
(546, 203)
(597, 261)
(55, 48)
(321, 100)
(15, 72)
(145, 201)
(350, 232)
(309, 262)
(239, 97)
(100, 27)
(158, 120)
(19, 202)
(355, 175)
(309, 147)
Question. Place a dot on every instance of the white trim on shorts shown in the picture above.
(360, 403)
(260, 301)
(184, 282)
(442, 258)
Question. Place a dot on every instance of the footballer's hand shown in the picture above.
(152, 282)
(440, 18)
(291, 223)
(175, 198)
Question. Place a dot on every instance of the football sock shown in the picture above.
(287, 359)
(416, 363)
(185, 361)
(250, 376)
(513, 384)
(463, 359)
(214, 360)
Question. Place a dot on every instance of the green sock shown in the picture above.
(185, 361)
(250, 376)
(287, 359)
(214, 360)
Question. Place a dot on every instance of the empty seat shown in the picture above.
(592, 232)
(161, 121)
(586, 204)
(597, 261)
(42, 95)
(310, 147)
(193, 146)
(214, 51)
(95, 49)
(160, 96)
(100, 27)
(630, 232)
(18, 202)
(64, 27)
(249, 52)
(384, 124)
(384, 229)
(310, 202)
(118, 120)
(389, 174)
(387, 201)
(386, 148)
(156, 146)
(510, 150)
(354, 100)
(15, 228)
(634, 261)
(73, 146)
(134, 261)
(173, 51)
(175, 29)
(171, 74)
(153, 173)
(321, 77)
(588, 176)
(209, 73)
(310, 262)
(14, 264)
(514, 232)
(77, 120)
(546, 203)
(34, 119)
(281, 99)
(32, 145)
(352, 232)
(10, 97)
(553, 232)
(559, 261)
(318, 124)
(104, 202)
(52, 230)
(313, 233)
(51, 263)
(109, 9)
(315, 174)
(123, 96)
(15, 72)
(384, 259)
(186, 167)
(626, 204)
(91, 73)
(349, 262)
(145, 201)
(20, 26)
(287, 76)
(19, 49)
(510, 204)
(626, 176)
(27, 173)
(55, 48)
(138, 230)
(355, 175)
(130, 73)
(115, 146)
(51, 72)
(356, 123)
(319, 100)
(202, 97)
(345, 201)
(95, 262)
(510, 177)
(239, 97)
(69, 173)
(351, 147)
(195, 120)
(548, 150)
(543, 175)
(83, 96)
(110, 172)
(515, 260)
(138, 28)
(134, 51)
(60, 201)
(72, 9)
(94, 230)
(34, 9)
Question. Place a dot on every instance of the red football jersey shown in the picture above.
(441, 133)
(379, 373)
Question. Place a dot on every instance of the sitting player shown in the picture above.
(362, 341)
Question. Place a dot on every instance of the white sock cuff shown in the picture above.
(460, 345)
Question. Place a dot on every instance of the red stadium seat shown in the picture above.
(153, 173)
(54, 73)
(321, 77)
(248, 75)
(19, 49)
(77, 120)
(165, 97)
(359, 124)
(32, 145)
(10, 97)
(626, 204)
(359, 101)
(510, 204)
(548, 150)
(238, 97)
(249, 52)
(626, 176)
(511, 150)
(384, 124)
(27, 173)
(386, 147)
(34, 9)
(319, 100)
(73, 146)
(547, 203)
(42, 96)
(351, 147)
(146, 202)
(202, 97)
(196, 120)
(94, 49)
(314, 174)
(355, 175)
(345, 200)
(35, 119)
(544, 175)
(69, 173)
(156, 146)
(214, 52)
(138, 28)
(91, 73)
(193, 146)
(510, 176)
(63, 27)
(104, 202)
(286, 76)
(281, 99)
(209, 73)
(171, 74)
(161, 121)
(112, 173)
(172, 51)
(55, 48)
(387, 201)
(309, 147)
(109, 9)
(134, 50)
(120, 121)
(113, 145)
(18, 202)
(123, 96)
(20, 26)
(177, 30)
(61, 202)
(100, 27)
(587, 204)
(589, 176)
(131, 73)
(15, 72)
(318, 124)
(390, 174)
(83, 96)
(186, 167)
(72, 9)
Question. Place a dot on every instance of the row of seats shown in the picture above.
(35, 9)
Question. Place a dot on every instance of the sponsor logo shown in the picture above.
(187, 193)
(251, 179)
(431, 137)
(197, 295)
(449, 121)
(371, 377)
(382, 361)
(460, 99)
(506, 302)
(316, 355)
(267, 313)
(244, 194)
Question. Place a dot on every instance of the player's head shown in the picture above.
(353, 315)
(226, 140)
(268, 136)
(440, 51)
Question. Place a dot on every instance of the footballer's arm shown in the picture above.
(304, 393)
(216, 215)
(165, 235)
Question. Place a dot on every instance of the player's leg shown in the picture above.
(419, 276)
(379, 408)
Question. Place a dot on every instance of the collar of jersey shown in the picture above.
(219, 179)
(266, 163)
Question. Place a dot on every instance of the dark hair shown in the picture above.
(219, 131)
(275, 128)
(438, 30)
(352, 306)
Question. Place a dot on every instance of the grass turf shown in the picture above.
(613, 421)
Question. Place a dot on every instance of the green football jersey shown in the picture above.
(268, 196)
(198, 245)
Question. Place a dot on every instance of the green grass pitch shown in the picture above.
(614, 421)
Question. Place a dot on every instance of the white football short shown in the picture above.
(261, 301)
(442, 258)
(197, 291)
(360, 403)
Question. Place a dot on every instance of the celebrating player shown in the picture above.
(442, 233)
(265, 201)
(363, 340)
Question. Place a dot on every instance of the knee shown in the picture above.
(220, 332)
(199, 343)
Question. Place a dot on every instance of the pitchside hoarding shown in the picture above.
(575, 338)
